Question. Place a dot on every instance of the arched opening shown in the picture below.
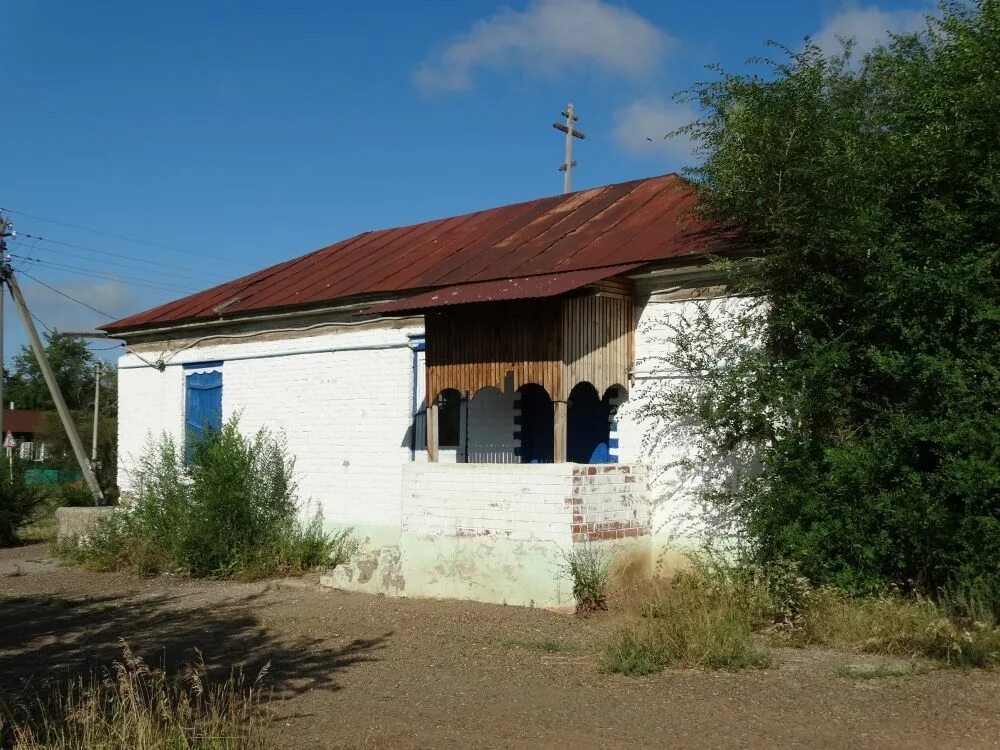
(613, 399)
(449, 403)
(586, 426)
(490, 432)
(534, 424)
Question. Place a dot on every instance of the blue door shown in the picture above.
(202, 407)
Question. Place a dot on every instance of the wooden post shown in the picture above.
(432, 431)
(558, 432)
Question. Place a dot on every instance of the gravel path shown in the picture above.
(352, 670)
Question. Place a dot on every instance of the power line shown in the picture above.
(127, 238)
(120, 255)
(67, 296)
(106, 262)
(108, 276)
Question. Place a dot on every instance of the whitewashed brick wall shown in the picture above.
(559, 503)
(677, 517)
(346, 415)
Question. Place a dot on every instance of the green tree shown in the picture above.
(74, 365)
(862, 385)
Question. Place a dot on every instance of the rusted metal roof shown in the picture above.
(632, 222)
(524, 287)
(20, 420)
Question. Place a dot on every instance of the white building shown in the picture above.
(524, 336)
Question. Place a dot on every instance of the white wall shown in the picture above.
(679, 520)
(346, 414)
(501, 533)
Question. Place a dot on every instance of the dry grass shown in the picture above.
(712, 615)
(134, 707)
(897, 626)
(688, 621)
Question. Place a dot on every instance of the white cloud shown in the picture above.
(57, 312)
(640, 129)
(868, 26)
(546, 37)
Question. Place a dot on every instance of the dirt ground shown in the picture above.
(352, 670)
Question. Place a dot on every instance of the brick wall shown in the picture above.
(346, 414)
(609, 502)
(560, 503)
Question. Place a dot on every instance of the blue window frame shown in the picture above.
(202, 402)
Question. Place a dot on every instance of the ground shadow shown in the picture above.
(44, 638)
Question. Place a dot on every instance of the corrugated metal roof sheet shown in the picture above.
(631, 222)
(524, 287)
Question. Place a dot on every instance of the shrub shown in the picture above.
(19, 501)
(133, 707)
(860, 403)
(231, 513)
(588, 566)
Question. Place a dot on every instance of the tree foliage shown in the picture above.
(74, 365)
(864, 387)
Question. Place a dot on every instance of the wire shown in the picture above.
(67, 296)
(127, 238)
(41, 322)
(164, 286)
(108, 262)
(118, 255)
(107, 348)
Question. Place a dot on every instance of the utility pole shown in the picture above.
(4, 233)
(571, 133)
(7, 274)
(97, 411)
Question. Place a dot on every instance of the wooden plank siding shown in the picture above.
(475, 346)
(598, 341)
(555, 342)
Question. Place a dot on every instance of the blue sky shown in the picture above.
(253, 132)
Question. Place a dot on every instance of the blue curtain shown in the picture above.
(203, 407)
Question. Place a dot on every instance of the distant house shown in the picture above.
(23, 425)
(465, 392)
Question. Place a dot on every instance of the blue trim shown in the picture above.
(199, 365)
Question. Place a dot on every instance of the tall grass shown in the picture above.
(131, 706)
(688, 621)
(718, 615)
(232, 511)
(898, 626)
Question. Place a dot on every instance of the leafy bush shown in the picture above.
(19, 502)
(231, 513)
(133, 707)
(860, 400)
(588, 566)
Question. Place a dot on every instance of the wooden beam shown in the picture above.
(559, 413)
(432, 432)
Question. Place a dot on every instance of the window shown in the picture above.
(202, 403)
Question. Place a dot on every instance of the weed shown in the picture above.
(694, 620)
(132, 706)
(545, 645)
(880, 670)
(899, 626)
(588, 566)
(634, 651)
